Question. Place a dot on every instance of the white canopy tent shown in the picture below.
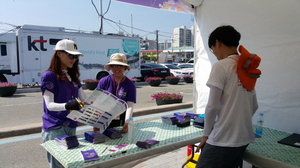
(269, 28)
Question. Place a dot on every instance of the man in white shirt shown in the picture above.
(228, 114)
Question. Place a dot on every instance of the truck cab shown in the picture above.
(8, 55)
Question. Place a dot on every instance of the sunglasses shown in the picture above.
(71, 56)
(116, 66)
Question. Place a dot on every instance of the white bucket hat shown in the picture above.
(68, 46)
(117, 59)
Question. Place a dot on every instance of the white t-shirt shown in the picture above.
(230, 123)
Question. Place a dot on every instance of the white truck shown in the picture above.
(26, 53)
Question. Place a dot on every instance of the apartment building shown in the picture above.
(183, 36)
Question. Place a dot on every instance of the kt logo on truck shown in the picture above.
(31, 44)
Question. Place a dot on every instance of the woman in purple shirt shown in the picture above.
(119, 85)
(60, 87)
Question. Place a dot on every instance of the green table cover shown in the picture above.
(266, 152)
(171, 138)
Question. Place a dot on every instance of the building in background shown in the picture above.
(176, 54)
(151, 45)
(180, 48)
(164, 45)
(183, 36)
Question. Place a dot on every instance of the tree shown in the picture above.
(145, 57)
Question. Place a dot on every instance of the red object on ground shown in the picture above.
(189, 150)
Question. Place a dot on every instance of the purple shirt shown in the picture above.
(63, 92)
(126, 90)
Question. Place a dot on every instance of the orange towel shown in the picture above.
(247, 68)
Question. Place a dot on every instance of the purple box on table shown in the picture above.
(172, 120)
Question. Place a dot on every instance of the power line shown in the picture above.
(127, 26)
(148, 32)
(107, 8)
(118, 24)
(101, 15)
(95, 8)
(111, 25)
(166, 32)
(9, 24)
(12, 30)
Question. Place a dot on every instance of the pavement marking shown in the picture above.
(90, 127)
(21, 104)
(36, 136)
(20, 139)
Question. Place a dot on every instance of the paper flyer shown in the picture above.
(101, 109)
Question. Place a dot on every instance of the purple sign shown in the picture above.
(172, 5)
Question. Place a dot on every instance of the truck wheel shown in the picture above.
(101, 75)
(2, 78)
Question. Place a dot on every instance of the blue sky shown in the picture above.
(81, 14)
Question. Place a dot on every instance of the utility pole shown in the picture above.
(119, 27)
(101, 18)
(157, 47)
(172, 45)
(131, 26)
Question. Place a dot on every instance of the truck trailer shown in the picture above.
(26, 53)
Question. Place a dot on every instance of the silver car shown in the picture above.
(176, 71)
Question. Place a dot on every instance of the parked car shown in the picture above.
(175, 63)
(187, 67)
(178, 63)
(182, 66)
(154, 70)
(191, 61)
(176, 71)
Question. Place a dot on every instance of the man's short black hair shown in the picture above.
(225, 34)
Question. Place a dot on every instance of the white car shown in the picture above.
(191, 61)
(187, 67)
(176, 71)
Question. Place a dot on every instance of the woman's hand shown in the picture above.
(202, 143)
(72, 105)
(80, 103)
(125, 128)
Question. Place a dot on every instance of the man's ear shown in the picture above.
(218, 44)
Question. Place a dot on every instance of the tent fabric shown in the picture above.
(271, 30)
(171, 5)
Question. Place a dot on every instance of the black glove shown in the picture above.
(72, 105)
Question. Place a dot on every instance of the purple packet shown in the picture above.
(112, 133)
(180, 117)
(192, 115)
(146, 144)
(117, 147)
(172, 120)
